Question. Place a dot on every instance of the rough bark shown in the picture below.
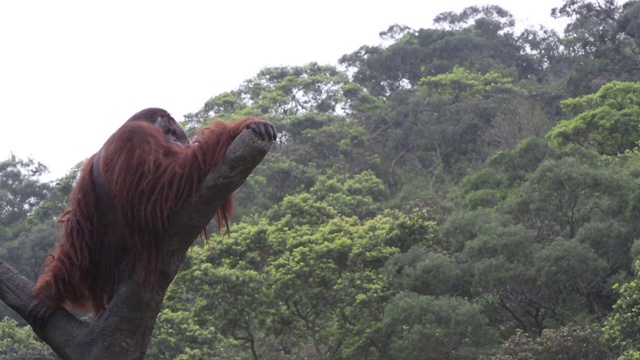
(123, 331)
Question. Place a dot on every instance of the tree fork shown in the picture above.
(123, 331)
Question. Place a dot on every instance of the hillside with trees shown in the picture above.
(464, 191)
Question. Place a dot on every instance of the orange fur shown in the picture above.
(121, 206)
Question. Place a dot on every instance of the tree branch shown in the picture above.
(123, 331)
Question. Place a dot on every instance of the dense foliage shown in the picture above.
(464, 191)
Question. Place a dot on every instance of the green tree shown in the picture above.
(425, 271)
(479, 38)
(622, 327)
(602, 40)
(20, 343)
(568, 192)
(23, 237)
(20, 189)
(607, 121)
(276, 93)
(308, 104)
(303, 282)
(535, 235)
(566, 342)
(214, 311)
(428, 327)
(431, 135)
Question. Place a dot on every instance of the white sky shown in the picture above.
(71, 72)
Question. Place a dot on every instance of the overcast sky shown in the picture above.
(71, 72)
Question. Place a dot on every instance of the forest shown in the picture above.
(464, 191)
